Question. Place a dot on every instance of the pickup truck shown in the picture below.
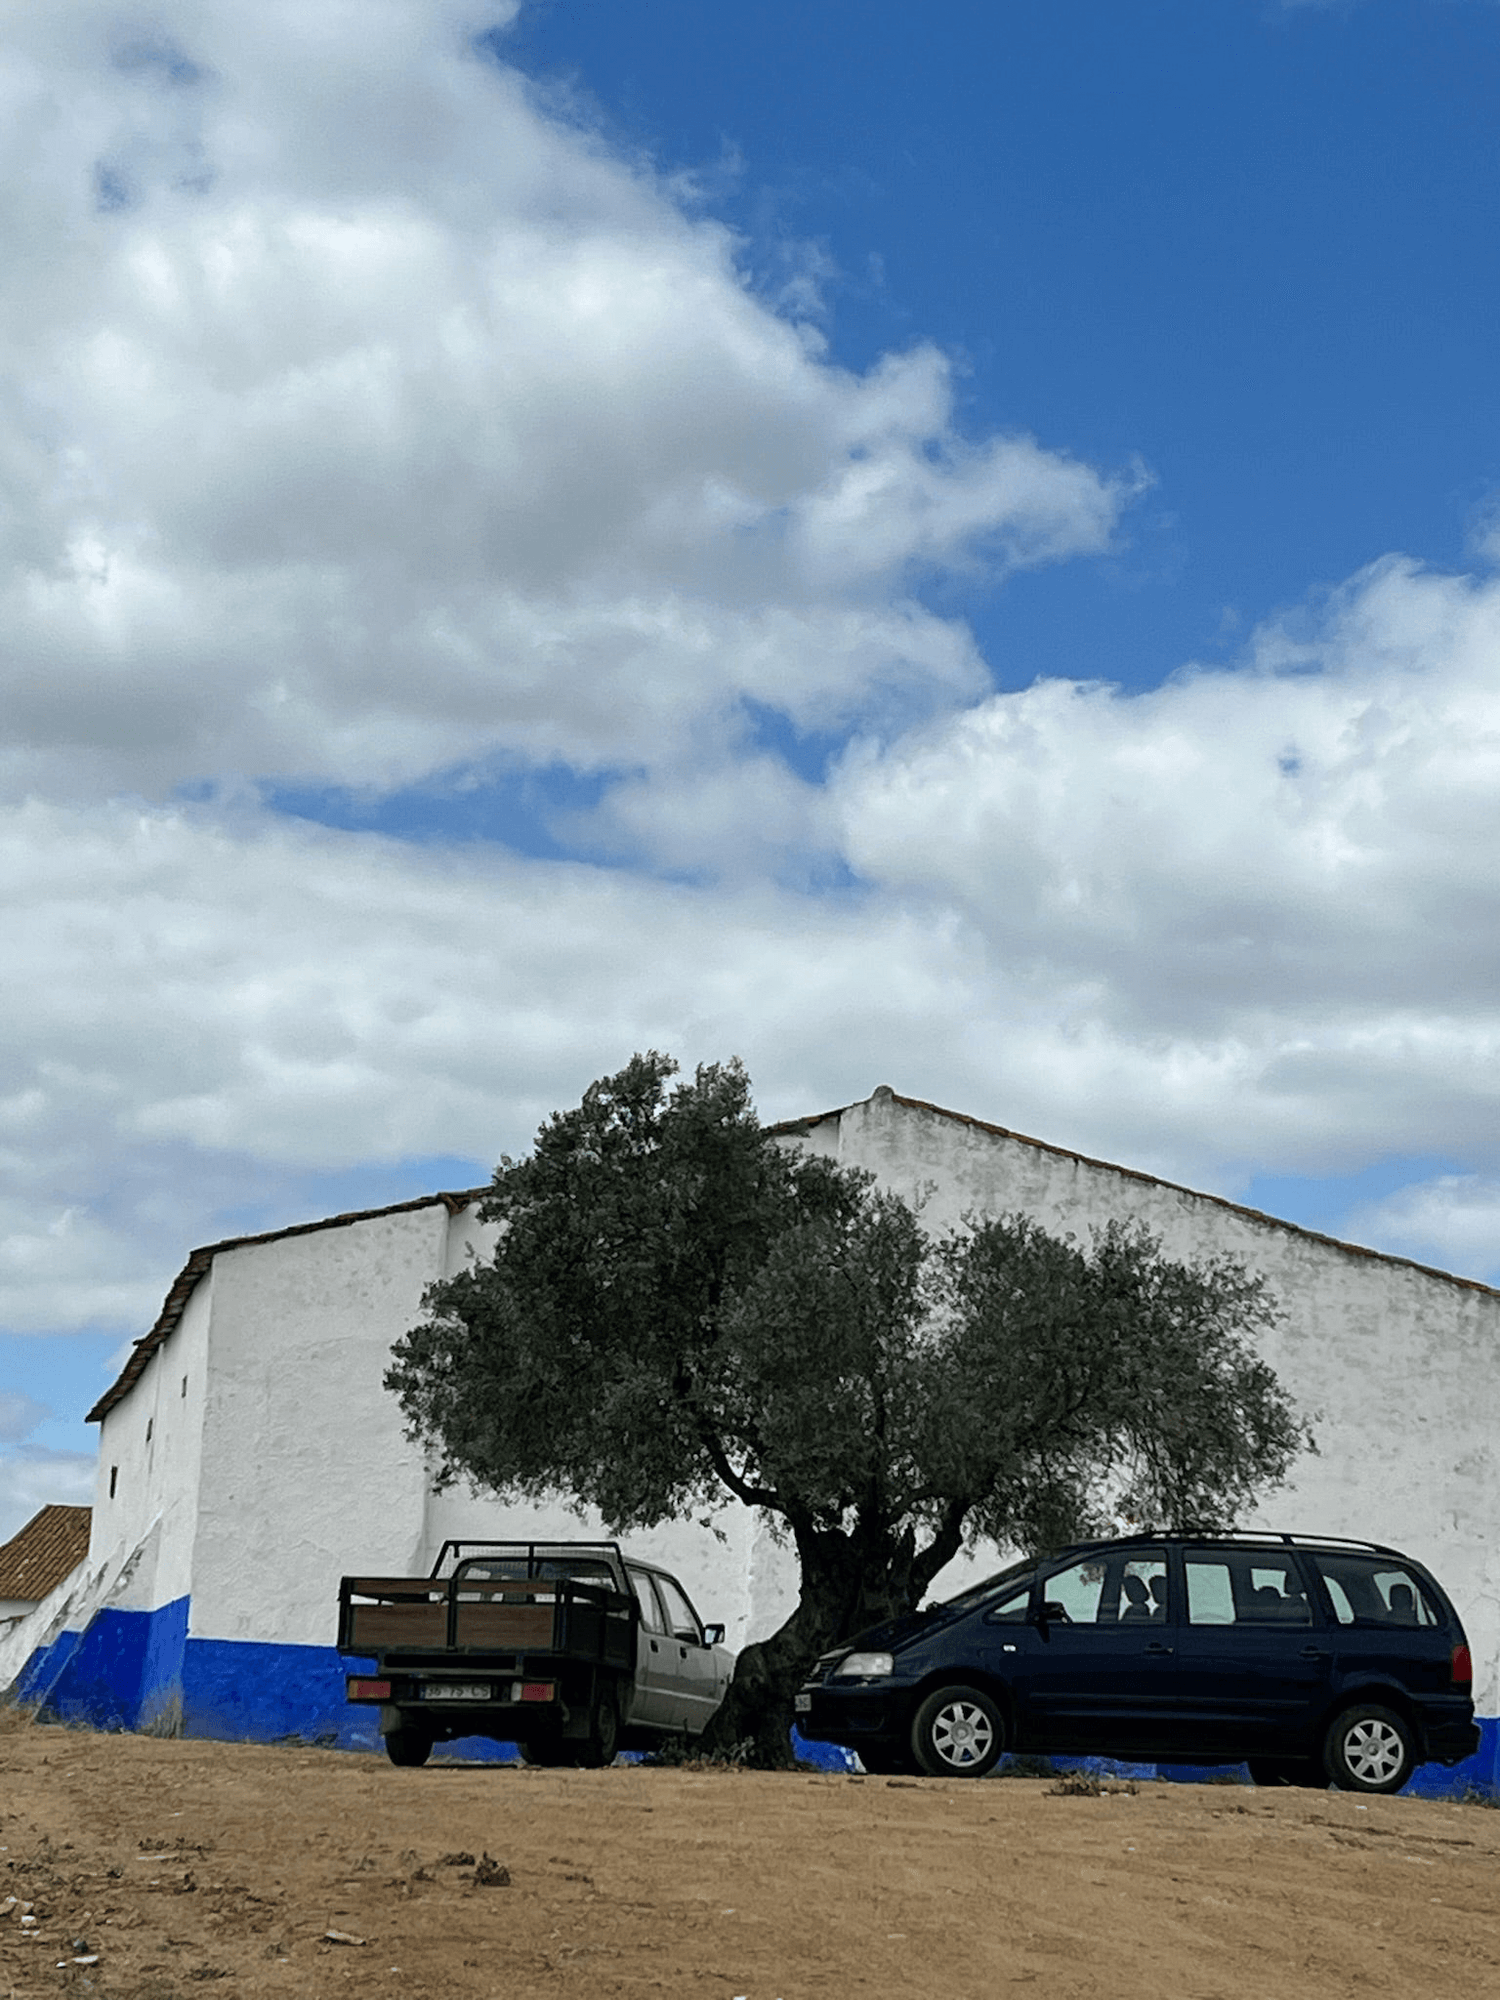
(570, 1650)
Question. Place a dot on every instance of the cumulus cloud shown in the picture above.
(1287, 873)
(32, 1477)
(19, 1415)
(366, 419)
(1452, 1221)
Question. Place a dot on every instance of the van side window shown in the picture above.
(1010, 1610)
(1111, 1590)
(1210, 1594)
(1371, 1590)
(1244, 1587)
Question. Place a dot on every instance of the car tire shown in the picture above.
(1287, 1771)
(958, 1732)
(408, 1746)
(1370, 1749)
(598, 1748)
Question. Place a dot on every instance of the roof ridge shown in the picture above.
(185, 1283)
(794, 1125)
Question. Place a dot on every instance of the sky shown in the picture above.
(954, 548)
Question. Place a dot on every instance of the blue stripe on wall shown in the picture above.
(140, 1670)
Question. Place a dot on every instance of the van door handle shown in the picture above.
(654, 1647)
(1157, 1647)
(1314, 1653)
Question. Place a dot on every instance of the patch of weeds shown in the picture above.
(678, 1754)
(1085, 1785)
(1023, 1765)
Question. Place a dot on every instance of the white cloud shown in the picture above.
(19, 1415)
(1288, 875)
(32, 1477)
(1452, 1221)
(366, 419)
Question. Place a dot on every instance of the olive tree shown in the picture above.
(681, 1310)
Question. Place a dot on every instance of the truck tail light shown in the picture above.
(1462, 1667)
(539, 1690)
(357, 1689)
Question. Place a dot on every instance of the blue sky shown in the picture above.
(951, 550)
(1238, 242)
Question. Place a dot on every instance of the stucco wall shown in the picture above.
(304, 1461)
(151, 1450)
(1398, 1368)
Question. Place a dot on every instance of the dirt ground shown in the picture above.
(161, 1870)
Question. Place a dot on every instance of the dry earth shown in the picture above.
(163, 1870)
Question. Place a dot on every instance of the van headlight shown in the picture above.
(862, 1667)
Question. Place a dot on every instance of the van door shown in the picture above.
(1254, 1657)
(1099, 1675)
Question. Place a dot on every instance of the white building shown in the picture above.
(249, 1454)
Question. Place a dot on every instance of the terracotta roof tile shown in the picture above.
(50, 1547)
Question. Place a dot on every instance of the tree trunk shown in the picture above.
(849, 1582)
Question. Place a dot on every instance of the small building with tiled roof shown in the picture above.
(41, 1556)
(250, 1454)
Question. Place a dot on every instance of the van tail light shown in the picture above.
(1463, 1667)
(359, 1689)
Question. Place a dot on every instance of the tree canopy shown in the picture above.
(682, 1308)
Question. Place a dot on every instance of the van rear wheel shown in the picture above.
(1370, 1749)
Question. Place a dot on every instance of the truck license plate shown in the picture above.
(456, 1691)
(802, 1703)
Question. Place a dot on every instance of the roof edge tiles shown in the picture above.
(794, 1127)
(37, 1557)
(186, 1281)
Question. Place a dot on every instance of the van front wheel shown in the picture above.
(958, 1732)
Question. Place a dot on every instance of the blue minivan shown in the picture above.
(1314, 1661)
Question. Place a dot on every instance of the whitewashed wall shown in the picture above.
(151, 1446)
(1399, 1368)
(275, 1460)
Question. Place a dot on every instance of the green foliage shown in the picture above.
(681, 1308)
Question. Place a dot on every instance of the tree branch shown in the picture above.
(943, 1547)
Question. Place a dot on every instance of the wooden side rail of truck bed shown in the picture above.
(384, 1614)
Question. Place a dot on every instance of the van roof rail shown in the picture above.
(1246, 1537)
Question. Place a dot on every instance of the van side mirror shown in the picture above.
(713, 1635)
(1052, 1613)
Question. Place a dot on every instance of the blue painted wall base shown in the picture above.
(139, 1670)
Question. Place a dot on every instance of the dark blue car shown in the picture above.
(1316, 1662)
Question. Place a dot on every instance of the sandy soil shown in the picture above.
(180, 1869)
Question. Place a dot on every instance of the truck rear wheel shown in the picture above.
(408, 1745)
(603, 1740)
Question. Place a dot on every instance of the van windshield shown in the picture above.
(992, 1586)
